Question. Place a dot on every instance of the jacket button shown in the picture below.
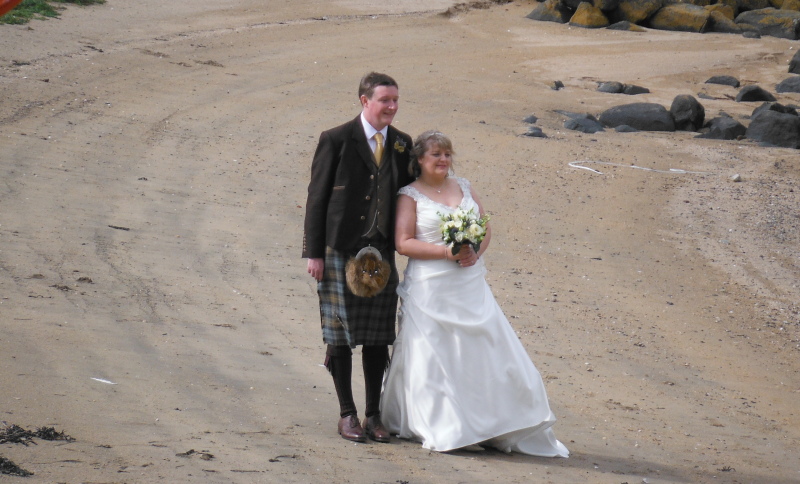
(372, 177)
(368, 197)
(363, 217)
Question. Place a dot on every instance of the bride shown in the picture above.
(459, 375)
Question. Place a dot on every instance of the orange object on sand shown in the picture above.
(7, 5)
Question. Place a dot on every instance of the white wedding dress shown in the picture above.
(459, 375)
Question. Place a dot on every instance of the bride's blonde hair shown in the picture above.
(423, 143)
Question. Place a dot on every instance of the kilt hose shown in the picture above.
(351, 320)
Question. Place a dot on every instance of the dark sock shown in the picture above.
(375, 360)
(339, 362)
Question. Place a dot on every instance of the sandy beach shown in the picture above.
(154, 161)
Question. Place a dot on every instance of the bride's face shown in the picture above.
(436, 161)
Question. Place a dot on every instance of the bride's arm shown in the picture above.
(405, 230)
(488, 237)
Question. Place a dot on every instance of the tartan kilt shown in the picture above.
(351, 320)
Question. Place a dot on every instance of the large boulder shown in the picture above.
(641, 116)
(784, 24)
(633, 89)
(722, 24)
(794, 64)
(724, 127)
(776, 129)
(681, 17)
(612, 87)
(753, 93)
(551, 11)
(744, 5)
(724, 80)
(726, 11)
(625, 25)
(635, 11)
(790, 5)
(791, 84)
(778, 107)
(573, 4)
(687, 113)
(699, 3)
(585, 124)
(606, 5)
(589, 16)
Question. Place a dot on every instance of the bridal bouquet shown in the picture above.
(463, 227)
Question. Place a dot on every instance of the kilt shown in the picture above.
(351, 320)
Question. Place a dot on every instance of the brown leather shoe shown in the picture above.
(350, 429)
(375, 429)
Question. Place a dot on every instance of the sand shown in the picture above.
(154, 159)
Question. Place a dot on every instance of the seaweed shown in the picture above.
(9, 468)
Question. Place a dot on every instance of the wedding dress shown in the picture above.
(459, 375)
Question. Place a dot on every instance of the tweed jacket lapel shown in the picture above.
(361, 143)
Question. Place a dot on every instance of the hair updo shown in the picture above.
(423, 143)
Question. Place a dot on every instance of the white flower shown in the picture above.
(475, 231)
(460, 237)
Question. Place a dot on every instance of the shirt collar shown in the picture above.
(370, 131)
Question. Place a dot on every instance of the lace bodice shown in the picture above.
(428, 218)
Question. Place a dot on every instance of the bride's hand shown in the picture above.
(466, 257)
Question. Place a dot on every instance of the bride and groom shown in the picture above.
(458, 374)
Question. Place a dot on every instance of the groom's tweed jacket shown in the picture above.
(344, 182)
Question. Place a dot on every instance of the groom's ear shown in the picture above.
(363, 98)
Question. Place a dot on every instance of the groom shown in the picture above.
(356, 172)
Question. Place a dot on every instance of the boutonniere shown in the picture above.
(400, 145)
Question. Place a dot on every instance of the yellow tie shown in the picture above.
(378, 148)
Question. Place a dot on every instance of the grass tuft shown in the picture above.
(28, 10)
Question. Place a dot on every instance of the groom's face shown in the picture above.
(381, 108)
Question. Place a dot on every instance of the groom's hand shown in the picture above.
(316, 267)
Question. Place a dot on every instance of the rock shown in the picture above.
(699, 3)
(535, 132)
(754, 93)
(625, 25)
(745, 5)
(791, 84)
(612, 87)
(789, 5)
(551, 11)
(572, 115)
(724, 80)
(784, 24)
(574, 4)
(588, 16)
(624, 128)
(736, 178)
(687, 113)
(776, 129)
(641, 116)
(557, 85)
(632, 90)
(530, 119)
(724, 127)
(606, 5)
(794, 64)
(727, 11)
(771, 106)
(584, 124)
(718, 22)
(681, 17)
(750, 34)
(635, 11)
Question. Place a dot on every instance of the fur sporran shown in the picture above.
(367, 273)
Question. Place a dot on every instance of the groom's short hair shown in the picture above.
(372, 80)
